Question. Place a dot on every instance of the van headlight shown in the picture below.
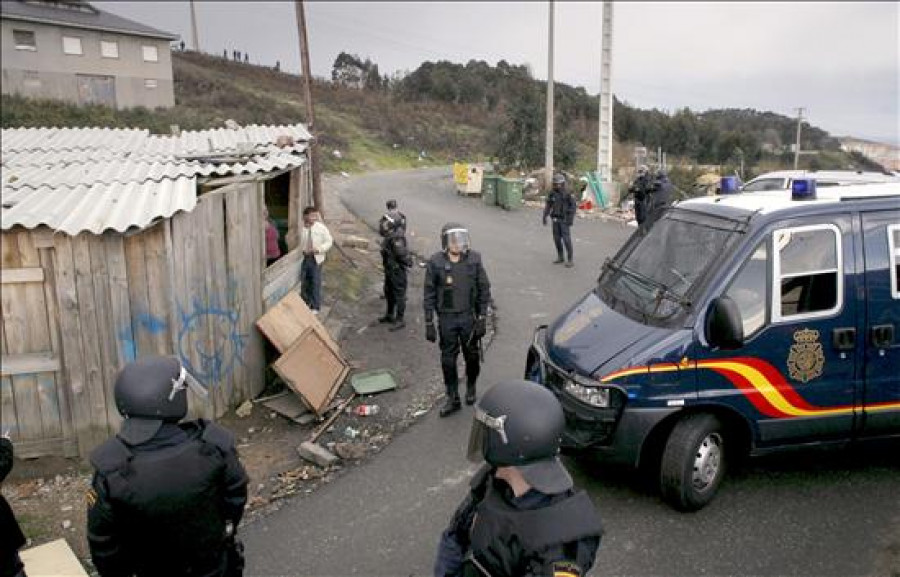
(596, 396)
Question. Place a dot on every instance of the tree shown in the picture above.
(520, 136)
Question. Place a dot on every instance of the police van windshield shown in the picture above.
(655, 275)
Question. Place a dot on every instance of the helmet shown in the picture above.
(642, 170)
(519, 423)
(391, 204)
(149, 392)
(455, 234)
(558, 178)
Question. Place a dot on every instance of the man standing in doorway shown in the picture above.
(315, 241)
(561, 208)
(458, 289)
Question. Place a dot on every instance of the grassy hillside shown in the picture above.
(448, 112)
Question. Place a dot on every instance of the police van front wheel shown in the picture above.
(693, 462)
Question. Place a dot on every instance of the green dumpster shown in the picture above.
(489, 189)
(509, 193)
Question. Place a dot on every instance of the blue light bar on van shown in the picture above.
(803, 189)
(729, 185)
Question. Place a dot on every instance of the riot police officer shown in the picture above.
(660, 198)
(561, 209)
(391, 220)
(458, 290)
(640, 189)
(396, 260)
(166, 497)
(522, 516)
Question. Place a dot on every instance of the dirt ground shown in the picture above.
(48, 494)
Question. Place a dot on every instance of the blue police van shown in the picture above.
(736, 325)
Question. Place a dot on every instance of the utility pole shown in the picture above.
(548, 154)
(310, 114)
(194, 27)
(604, 138)
(797, 149)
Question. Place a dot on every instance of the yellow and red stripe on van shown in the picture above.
(763, 385)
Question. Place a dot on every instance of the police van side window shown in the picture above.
(748, 290)
(894, 258)
(807, 262)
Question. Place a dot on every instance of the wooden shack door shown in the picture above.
(34, 406)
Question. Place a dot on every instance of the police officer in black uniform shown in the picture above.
(458, 290)
(640, 189)
(661, 197)
(11, 537)
(166, 497)
(396, 260)
(561, 209)
(522, 517)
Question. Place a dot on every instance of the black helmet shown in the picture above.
(149, 392)
(391, 204)
(559, 178)
(455, 233)
(519, 423)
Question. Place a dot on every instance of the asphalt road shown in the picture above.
(809, 514)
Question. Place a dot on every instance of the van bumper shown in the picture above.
(615, 433)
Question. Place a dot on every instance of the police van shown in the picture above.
(784, 179)
(738, 324)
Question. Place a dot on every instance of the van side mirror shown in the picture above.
(724, 327)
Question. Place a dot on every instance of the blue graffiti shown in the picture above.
(151, 324)
(129, 349)
(210, 356)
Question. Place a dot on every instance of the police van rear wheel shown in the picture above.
(693, 462)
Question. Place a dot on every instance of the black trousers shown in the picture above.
(456, 332)
(395, 290)
(562, 237)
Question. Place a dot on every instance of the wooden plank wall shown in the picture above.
(190, 286)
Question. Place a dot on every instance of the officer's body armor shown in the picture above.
(506, 541)
(170, 501)
(457, 283)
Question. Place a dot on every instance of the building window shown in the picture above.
(72, 45)
(151, 54)
(808, 279)
(150, 83)
(25, 40)
(109, 49)
(31, 79)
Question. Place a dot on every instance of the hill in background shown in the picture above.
(443, 112)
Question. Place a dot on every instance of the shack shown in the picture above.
(118, 244)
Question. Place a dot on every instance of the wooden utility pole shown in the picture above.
(310, 114)
(797, 149)
(194, 28)
(548, 153)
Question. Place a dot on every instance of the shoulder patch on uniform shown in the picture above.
(566, 569)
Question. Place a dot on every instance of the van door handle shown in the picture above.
(844, 339)
(882, 336)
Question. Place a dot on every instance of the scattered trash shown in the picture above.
(337, 153)
(344, 174)
(66, 524)
(419, 413)
(66, 508)
(244, 410)
(366, 410)
(351, 433)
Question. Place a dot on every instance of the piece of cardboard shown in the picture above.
(285, 322)
(312, 369)
(53, 559)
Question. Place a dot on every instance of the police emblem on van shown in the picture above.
(806, 359)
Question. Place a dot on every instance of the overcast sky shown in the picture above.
(840, 61)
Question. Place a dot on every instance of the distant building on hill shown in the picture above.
(72, 51)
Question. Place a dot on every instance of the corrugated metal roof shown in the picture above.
(90, 18)
(98, 207)
(96, 179)
(189, 142)
(122, 171)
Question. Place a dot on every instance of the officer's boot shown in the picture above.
(398, 320)
(470, 393)
(387, 318)
(451, 403)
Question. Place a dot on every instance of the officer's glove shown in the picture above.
(480, 327)
(430, 332)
